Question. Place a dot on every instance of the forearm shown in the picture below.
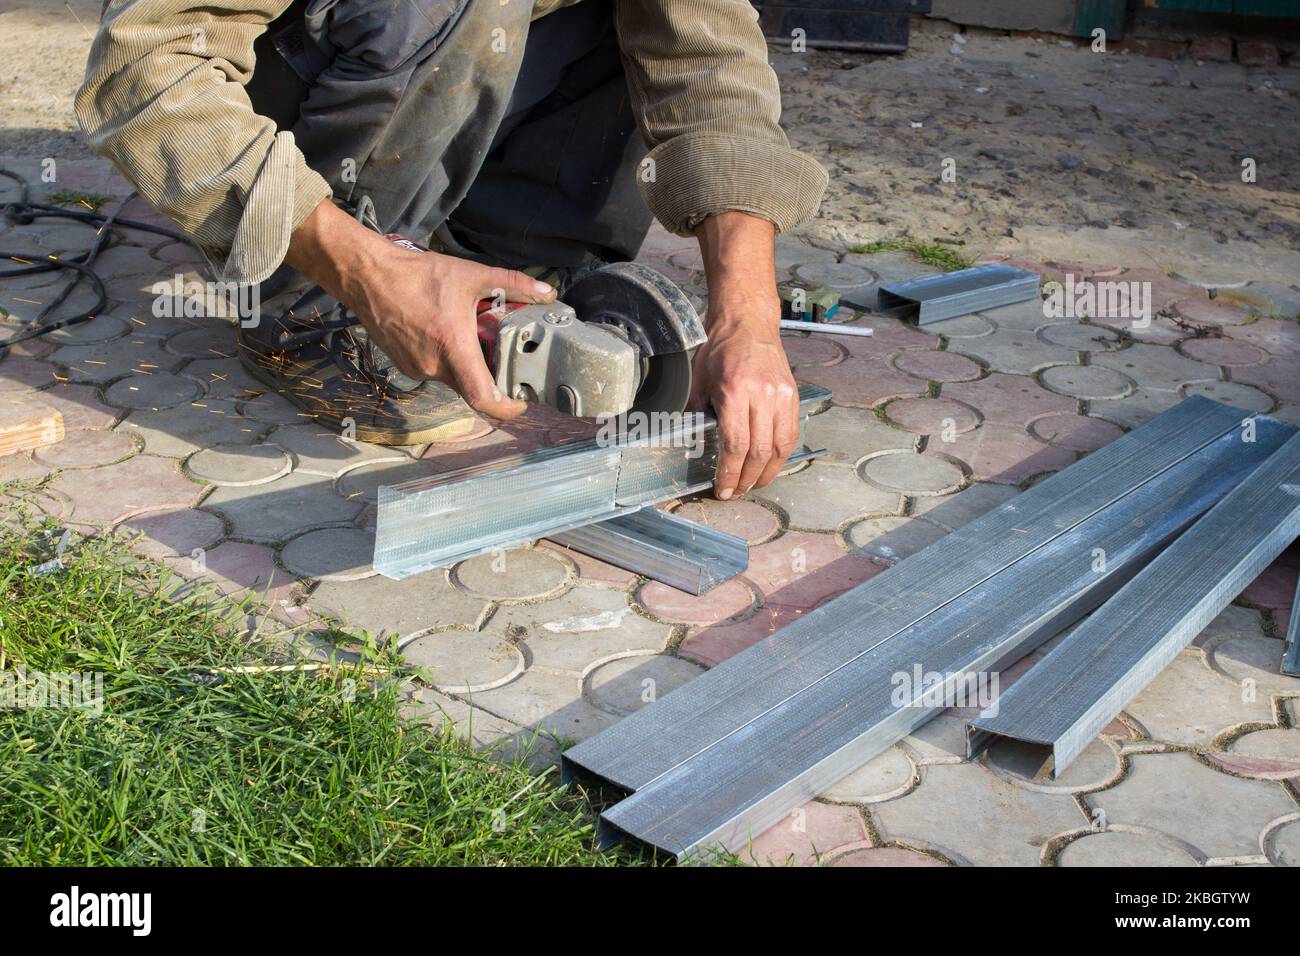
(739, 252)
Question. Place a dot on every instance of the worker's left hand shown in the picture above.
(743, 373)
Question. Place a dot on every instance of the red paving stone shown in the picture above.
(1275, 336)
(1075, 432)
(887, 335)
(1006, 454)
(87, 449)
(802, 570)
(1275, 588)
(731, 599)
(744, 519)
(1278, 376)
(938, 366)
(714, 643)
(80, 407)
(863, 382)
(593, 569)
(932, 416)
(1009, 399)
(1260, 768)
(805, 350)
(807, 834)
(1165, 290)
(21, 374)
(1209, 312)
(1224, 352)
(165, 534)
(236, 566)
(114, 493)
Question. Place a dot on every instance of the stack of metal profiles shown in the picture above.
(437, 521)
(721, 759)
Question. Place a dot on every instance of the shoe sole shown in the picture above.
(374, 436)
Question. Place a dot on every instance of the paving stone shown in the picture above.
(86, 449)
(1275, 586)
(179, 531)
(1288, 413)
(816, 350)
(1256, 659)
(1211, 312)
(273, 409)
(1189, 704)
(1275, 336)
(319, 451)
(1232, 393)
(1007, 455)
(806, 836)
(714, 643)
(1017, 351)
(276, 511)
(19, 374)
(1022, 764)
(1187, 799)
(238, 465)
(890, 856)
(331, 554)
(134, 355)
(1088, 382)
(953, 511)
(1265, 298)
(1155, 366)
(963, 327)
(728, 600)
(1124, 848)
(398, 608)
(918, 475)
(579, 629)
(1077, 433)
(1165, 290)
(1135, 409)
(852, 433)
(862, 381)
(627, 684)
(1079, 337)
(113, 493)
(1158, 330)
(212, 339)
(1009, 399)
(1225, 352)
(590, 569)
(517, 574)
(937, 366)
(1278, 376)
(1282, 845)
(182, 430)
(1281, 745)
(889, 335)
(951, 810)
(801, 570)
(890, 539)
(883, 777)
(465, 662)
(153, 391)
(824, 495)
(932, 416)
(224, 379)
(235, 567)
(483, 731)
(744, 519)
(1027, 316)
(102, 328)
(1232, 621)
(362, 483)
(548, 701)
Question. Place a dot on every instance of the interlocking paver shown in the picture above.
(210, 339)
(806, 350)
(937, 366)
(1232, 393)
(86, 451)
(1079, 337)
(165, 534)
(932, 416)
(712, 644)
(1265, 298)
(465, 662)
(950, 809)
(883, 777)
(113, 493)
(182, 430)
(275, 511)
(890, 856)
(1155, 366)
(1282, 843)
(1223, 351)
(319, 451)
(1027, 316)
(963, 327)
(731, 599)
(238, 465)
(592, 570)
(890, 539)
(862, 381)
(807, 835)
(1186, 800)
(1006, 455)
(801, 570)
(331, 554)
(745, 519)
(1009, 399)
(851, 433)
(1254, 663)
(580, 628)
(518, 574)
(20, 374)
(1115, 848)
(235, 567)
(102, 328)
(153, 391)
(1280, 745)
(1022, 764)
(627, 684)
(549, 701)
(1278, 376)
(1211, 312)
(1018, 351)
(1189, 704)
(482, 730)
(1278, 337)
(825, 494)
(912, 474)
(953, 511)
(362, 483)
(1135, 409)
(1165, 290)
(889, 335)
(1075, 432)
(1089, 382)
(398, 608)
(134, 355)
(224, 378)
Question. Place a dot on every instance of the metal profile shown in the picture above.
(1069, 696)
(436, 521)
(734, 790)
(946, 296)
(1291, 653)
(655, 740)
(686, 555)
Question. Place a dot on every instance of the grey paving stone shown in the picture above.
(363, 483)
(1288, 413)
(1080, 337)
(940, 740)
(1282, 845)
(884, 777)
(1156, 366)
(1022, 764)
(890, 539)
(1189, 704)
(99, 362)
(273, 409)
(1232, 393)
(517, 574)
(1027, 316)
(397, 608)
(1268, 298)
(549, 701)
(184, 429)
(912, 474)
(627, 684)
(102, 328)
(1089, 382)
(276, 511)
(211, 339)
(224, 379)
(465, 661)
(971, 815)
(1275, 744)
(1232, 621)
(1254, 659)
(331, 554)
(1179, 796)
(581, 628)
(1126, 848)
(238, 465)
(1134, 409)
(824, 495)
(153, 391)
(1017, 351)
(855, 284)
(953, 511)
(482, 730)
(849, 434)
(962, 327)
(319, 451)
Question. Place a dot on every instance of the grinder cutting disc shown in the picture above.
(655, 316)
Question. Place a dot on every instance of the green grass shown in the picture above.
(935, 253)
(76, 197)
(193, 763)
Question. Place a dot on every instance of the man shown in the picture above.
(504, 134)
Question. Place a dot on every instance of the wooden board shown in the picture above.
(25, 426)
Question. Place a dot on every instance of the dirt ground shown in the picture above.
(1058, 152)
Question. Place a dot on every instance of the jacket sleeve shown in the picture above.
(164, 99)
(709, 107)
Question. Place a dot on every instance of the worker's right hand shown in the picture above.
(420, 307)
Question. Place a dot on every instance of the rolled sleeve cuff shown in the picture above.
(284, 194)
(690, 177)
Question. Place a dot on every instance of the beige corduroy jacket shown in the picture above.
(181, 128)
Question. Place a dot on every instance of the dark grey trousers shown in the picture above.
(514, 140)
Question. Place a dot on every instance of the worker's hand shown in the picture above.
(743, 373)
(420, 307)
